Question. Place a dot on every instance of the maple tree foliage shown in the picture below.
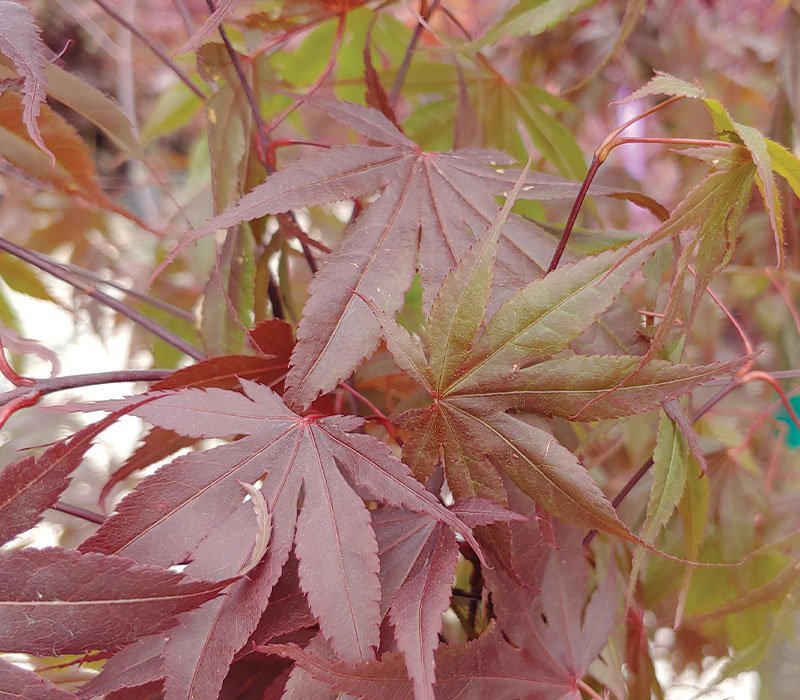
(425, 407)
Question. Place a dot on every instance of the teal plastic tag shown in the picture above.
(792, 438)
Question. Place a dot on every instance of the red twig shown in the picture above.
(50, 386)
(14, 405)
(79, 512)
(380, 415)
(10, 373)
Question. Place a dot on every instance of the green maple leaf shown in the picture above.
(492, 380)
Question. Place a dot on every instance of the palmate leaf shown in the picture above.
(424, 219)
(201, 517)
(475, 376)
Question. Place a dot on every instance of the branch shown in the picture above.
(402, 72)
(75, 381)
(89, 289)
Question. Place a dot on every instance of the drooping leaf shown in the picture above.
(670, 469)
(57, 601)
(31, 485)
(20, 41)
(72, 172)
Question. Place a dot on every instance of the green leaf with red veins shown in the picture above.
(466, 426)
(544, 317)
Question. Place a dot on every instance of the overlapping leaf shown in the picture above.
(201, 510)
(477, 370)
(546, 645)
(418, 557)
(430, 205)
(17, 682)
(273, 340)
(105, 602)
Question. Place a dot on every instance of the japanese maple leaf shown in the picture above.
(431, 203)
(192, 509)
(274, 342)
(539, 647)
(476, 370)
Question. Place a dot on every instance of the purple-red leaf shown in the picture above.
(192, 507)
(56, 601)
(17, 682)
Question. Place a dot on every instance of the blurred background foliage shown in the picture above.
(478, 71)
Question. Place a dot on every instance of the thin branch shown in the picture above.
(601, 154)
(262, 140)
(637, 477)
(405, 65)
(153, 46)
(75, 381)
(573, 214)
(89, 289)
(146, 298)
(380, 415)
